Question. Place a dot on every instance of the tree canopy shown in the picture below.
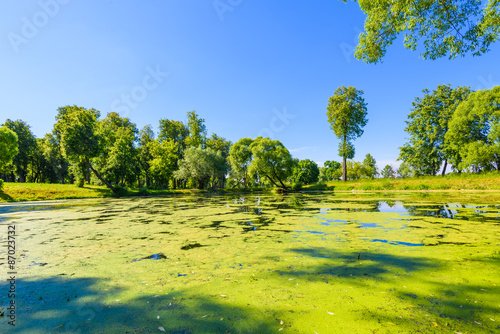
(8, 146)
(305, 172)
(26, 142)
(445, 28)
(475, 131)
(346, 113)
(427, 126)
(271, 161)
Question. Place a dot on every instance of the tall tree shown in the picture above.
(165, 160)
(475, 131)
(447, 27)
(197, 130)
(271, 160)
(58, 165)
(8, 146)
(370, 167)
(146, 136)
(240, 157)
(427, 125)
(346, 113)
(77, 128)
(26, 144)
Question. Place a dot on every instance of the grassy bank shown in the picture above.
(487, 181)
(482, 183)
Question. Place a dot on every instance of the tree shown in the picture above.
(77, 128)
(56, 162)
(406, 170)
(121, 157)
(475, 131)
(346, 113)
(240, 157)
(164, 160)
(369, 167)
(197, 130)
(332, 170)
(146, 136)
(355, 170)
(202, 165)
(427, 125)
(305, 171)
(388, 172)
(8, 146)
(448, 27)
(270, 160)
(26, 143)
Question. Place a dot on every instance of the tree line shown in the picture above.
(447, 127)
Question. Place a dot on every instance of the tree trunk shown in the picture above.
(272, 181)
(99, 176)
(344, 168)
(444, 168)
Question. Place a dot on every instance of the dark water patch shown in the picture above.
(191, 246)
(41, 264)
(399, 243)
(158, 256)
(364, 225)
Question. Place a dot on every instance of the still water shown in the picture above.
(300, 263)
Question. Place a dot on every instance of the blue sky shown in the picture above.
(257, 68)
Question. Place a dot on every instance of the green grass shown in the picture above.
(465, 181)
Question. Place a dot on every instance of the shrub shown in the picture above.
(387, 185)
(422, 186)
(1, 184)
(297, 186)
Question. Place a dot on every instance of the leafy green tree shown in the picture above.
(8, 146)
(203, 166)
(240, 157)
(164, 162)
(355, 170)
(369, 167)
(26, 144)
(270, 161)
(220, 144)
(332, 170)
(175, 130)
(146, 136)
(427, 125)
(121, 157)
(388, 172)
(448, 27)
(346, 113)
(56, 162)
(197, 130)
(405, 170)
(475, 131)
(305, 172)
(77, 128)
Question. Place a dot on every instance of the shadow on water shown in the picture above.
(356, 264)
(87, 305)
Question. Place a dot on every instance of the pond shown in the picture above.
(254, 263)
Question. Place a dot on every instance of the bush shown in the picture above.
(297, 186)
(422, 186)
(143, 192)
(1, 184)
(119, 191)
(387, 185)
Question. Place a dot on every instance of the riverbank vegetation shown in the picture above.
(448, 127)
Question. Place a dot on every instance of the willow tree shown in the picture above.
(346, 113)
(77, 128)
(445, 28)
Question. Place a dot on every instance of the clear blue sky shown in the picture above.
(238, 69)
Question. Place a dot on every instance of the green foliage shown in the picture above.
(331, 171)
(451, 27)
(271, 161)
(240, 157)
(369, 167)
(8, 146)
(305, 172)
(387, 185)
(388, 172)
(197, 130)
(427, 126)
(406, 170)
(346, 113)
(475, 132)
(203, 166)
(26, 143)
(77, 128)
(164, 159)
(146, 137)
(296, 186)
